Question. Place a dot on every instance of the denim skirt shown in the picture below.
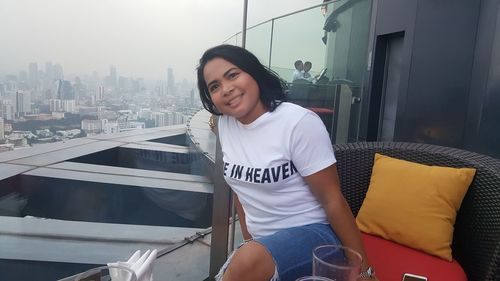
(292, 248)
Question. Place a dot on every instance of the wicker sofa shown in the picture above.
(476, 239)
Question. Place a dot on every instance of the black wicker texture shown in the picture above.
(476, 238)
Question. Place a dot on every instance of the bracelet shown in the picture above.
(368, 274)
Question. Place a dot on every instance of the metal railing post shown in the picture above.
(220, 217)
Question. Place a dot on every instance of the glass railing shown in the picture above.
(65, 208)
(333, 38)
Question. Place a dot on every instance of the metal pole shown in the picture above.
(220, 216)
(244, 31)
(271, 43)
(232, 226)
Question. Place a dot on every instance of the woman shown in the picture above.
(279, 161)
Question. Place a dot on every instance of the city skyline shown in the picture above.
(142, 39)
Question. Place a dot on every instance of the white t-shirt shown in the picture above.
(264, 163)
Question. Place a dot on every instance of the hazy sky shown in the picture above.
(140, 37)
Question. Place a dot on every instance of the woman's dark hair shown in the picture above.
(271, 86)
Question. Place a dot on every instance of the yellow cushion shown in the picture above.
(414, 204)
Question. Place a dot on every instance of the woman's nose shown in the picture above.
(227, 88)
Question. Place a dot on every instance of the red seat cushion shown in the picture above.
(391, 260)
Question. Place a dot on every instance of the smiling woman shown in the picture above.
(279, 162)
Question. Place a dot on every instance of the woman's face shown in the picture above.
(233, 91)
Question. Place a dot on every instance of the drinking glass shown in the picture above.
(107, 273)
(314, 278)
(336, 262)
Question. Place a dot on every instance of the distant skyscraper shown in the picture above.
(99, 93)
(2, 129)
(49, 76)
(170, 82)
(160, 118)
(113, 76)
(7, 110)
(69, 106)
(55, 105)
(23, 76)
(22, 103)
(64, 90)
(192, 98)
(49, 69)
(33, 75)
(58, 73)
(10, 85)
(2, 90)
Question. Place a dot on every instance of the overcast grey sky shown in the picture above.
(140, 37)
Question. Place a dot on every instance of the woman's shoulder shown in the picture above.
(292, 112)
(288, 107)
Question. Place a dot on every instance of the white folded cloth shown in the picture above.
(142, 266)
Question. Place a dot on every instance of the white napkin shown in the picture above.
(142, 266)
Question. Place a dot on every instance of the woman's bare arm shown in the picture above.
(325, 186)
(241, 216)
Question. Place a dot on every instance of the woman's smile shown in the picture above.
(235, 101)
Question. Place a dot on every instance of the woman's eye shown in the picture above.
(213, 88)
(233, 75)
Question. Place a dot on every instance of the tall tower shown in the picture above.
(33, 75)
(112, 76)
(23, 103)
(170, 82)
(192, 98)
(2, 129)
(64, 90)
(99, 93)
(49, 76)
(58, 72)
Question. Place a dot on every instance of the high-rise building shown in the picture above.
(123, 84)
(160, 119)
(48, 78)
(7, 109)
(22, 103)
(192, 97)
(33, 75)
(58, 73)
(2, 129)
(23, 76)
(55, 105)
(2, 90)
(64, 90)
(170, 82)
(99, 93)
(69, 106)
(93, 126)
(113, 76)
(49, 69)
(10, 85)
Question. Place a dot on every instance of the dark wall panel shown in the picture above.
(441, 64)
(489, 129)
(449, 92)
(487, 27)
(394, 15)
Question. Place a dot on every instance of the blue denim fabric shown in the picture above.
(292, 248)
